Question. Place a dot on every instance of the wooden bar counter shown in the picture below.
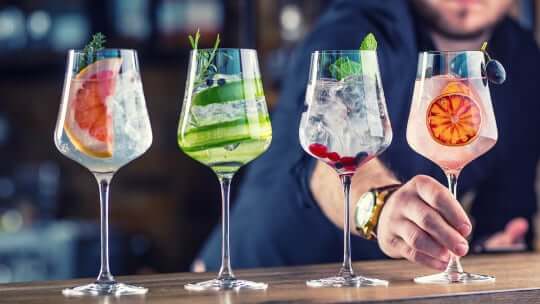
(518, 281)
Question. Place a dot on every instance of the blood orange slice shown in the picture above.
(454, 117)
(88, 122)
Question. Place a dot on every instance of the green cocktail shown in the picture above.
(228, 124)
(224, 124)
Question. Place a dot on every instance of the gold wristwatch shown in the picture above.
(368, 208)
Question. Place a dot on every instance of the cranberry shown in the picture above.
(333, 156)
(348, 161)
(318, 150)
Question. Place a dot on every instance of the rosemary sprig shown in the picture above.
(89, 52)
(483, 49)
(195, 41)
(207, 58)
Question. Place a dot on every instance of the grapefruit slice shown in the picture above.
(88, 122)
(454, 117)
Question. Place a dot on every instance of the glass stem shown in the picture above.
(104, 180)
(346, 269)
(454, 266)
(225, 272)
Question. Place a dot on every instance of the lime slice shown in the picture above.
(235, 90)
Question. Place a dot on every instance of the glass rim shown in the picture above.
(432, 52)
(224, 49)
(81, 51)
(342, 51)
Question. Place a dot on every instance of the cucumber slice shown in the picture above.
(235, 90)
(219, 134)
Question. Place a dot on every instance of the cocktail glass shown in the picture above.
(345, 124)
(452, 123)
(103, 124)
(224, 125)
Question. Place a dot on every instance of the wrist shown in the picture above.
(368, 210)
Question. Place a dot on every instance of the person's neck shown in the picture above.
(447, 44)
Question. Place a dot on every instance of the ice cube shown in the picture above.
(374, 105)
(351, 94)
(317, 130)
(218, 112)
(324, 92)
(128, 110)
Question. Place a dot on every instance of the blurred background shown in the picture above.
(164, 204)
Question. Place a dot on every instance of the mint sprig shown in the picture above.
(207, 57)
(369, 43)
(344, 67)
(89, 52)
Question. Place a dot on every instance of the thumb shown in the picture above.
(516, 229)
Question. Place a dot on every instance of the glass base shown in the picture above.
(454, 277)
(104, 289)
(228, 284)
(352, 281)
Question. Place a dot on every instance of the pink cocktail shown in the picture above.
(451, 123)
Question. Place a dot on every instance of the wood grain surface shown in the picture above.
(518, 281)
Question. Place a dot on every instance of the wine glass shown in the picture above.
(345, 124)
(224, 124)
(452, 123)
(103, 125)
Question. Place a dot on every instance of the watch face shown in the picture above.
(364, 208)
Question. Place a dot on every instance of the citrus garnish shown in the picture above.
(88, 122)
(454, 117)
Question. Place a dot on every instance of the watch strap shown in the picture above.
(381, 195)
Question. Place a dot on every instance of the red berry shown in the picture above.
(333, 156)
(318, 150)
(348, 161)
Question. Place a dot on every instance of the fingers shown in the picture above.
(440, 199)
(511, 238)
(516, 230)
(416, 238)
(423, 222)
(416, 256)
(433, 224)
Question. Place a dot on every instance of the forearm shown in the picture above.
(328, 191)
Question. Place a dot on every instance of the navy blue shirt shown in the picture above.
(275, 221)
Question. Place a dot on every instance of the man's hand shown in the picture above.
(512, 238)
(423, 223)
